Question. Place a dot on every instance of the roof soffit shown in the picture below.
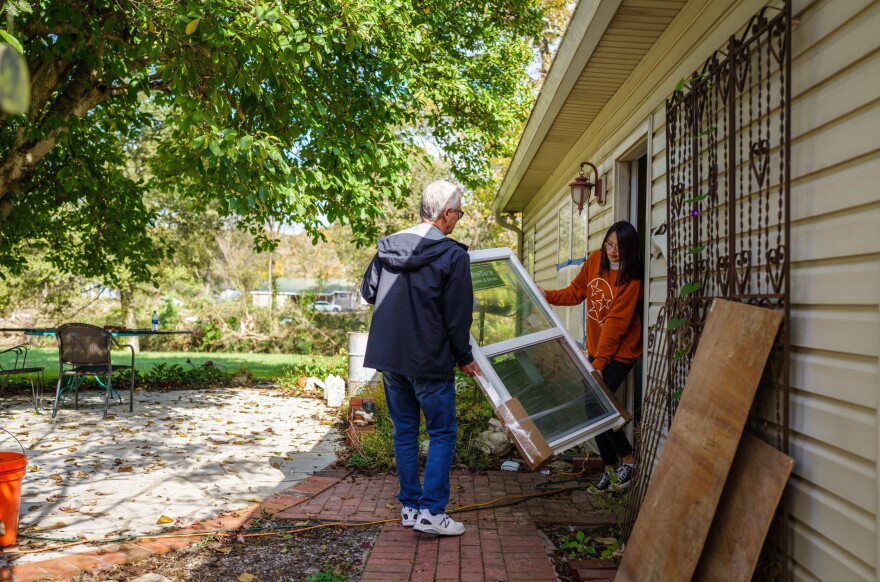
(615, 52)
(585, 28)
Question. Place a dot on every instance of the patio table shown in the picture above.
(50, 331)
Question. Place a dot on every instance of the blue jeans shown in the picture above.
(406, 397)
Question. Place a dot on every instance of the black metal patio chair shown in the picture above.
(85, 350)
(13, 362)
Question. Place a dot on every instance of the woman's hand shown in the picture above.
(543, 293)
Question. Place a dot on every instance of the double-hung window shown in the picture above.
(571, 253)
(526, 354)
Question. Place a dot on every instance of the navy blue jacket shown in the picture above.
(423, 296)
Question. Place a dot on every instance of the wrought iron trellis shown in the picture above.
(728, 163)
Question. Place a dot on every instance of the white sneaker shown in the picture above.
(441, 525)
(408, 516)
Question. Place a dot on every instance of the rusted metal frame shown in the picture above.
(684, 113)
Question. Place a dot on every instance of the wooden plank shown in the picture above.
(748, 503)
(677, 512)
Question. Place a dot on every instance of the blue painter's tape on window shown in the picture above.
(571, 263)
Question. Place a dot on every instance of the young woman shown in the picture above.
(611, 283)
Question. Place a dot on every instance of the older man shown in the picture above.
(420, 284)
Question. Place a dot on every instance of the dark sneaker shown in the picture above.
(441, 525)
(604, 483)
(408, 516)
(624, 476)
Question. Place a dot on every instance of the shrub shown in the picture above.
(317, 367)
(175, 374)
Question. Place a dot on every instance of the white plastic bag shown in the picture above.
(334, 390)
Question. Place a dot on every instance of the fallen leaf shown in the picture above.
(72, 449)
(283, 550)
(389, 505)
(69, 509)
(164, 519)
(246, 577)
(125, 469)
(57, 478)
(222, 549)
(55, 525)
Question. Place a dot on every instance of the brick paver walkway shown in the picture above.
(500, 543)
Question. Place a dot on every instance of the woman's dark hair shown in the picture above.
(629, 251)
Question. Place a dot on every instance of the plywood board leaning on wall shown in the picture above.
(748, 503)
(674, 520)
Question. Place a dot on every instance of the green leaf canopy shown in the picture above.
(290, 111)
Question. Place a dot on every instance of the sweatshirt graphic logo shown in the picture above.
(600, 299)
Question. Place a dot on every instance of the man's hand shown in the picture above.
(472, 369)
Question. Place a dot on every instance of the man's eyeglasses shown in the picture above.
(458, 211)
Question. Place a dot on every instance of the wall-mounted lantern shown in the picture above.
(581, 188)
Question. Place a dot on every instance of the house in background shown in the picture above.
(742, 138)
(334, 291)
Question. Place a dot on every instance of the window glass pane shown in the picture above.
(530, 253)
(572, 317)
(554, 391)
(504, 307)
(564, 249)
(579, 233)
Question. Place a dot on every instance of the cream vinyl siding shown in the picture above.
(835, 286)
(835, 252)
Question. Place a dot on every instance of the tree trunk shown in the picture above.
(273, 327)
(129, 319)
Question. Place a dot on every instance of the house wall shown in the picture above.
(835, 254)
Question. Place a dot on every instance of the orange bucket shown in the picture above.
(12, 469)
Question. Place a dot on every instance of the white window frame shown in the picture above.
(491, 383)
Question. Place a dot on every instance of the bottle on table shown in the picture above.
(154, 323)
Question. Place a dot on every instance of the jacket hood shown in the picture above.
(409, 250)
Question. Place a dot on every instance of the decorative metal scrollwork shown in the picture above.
(759, 161)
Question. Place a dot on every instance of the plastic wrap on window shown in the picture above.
(523, 432)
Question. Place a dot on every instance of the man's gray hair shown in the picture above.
(437, 197)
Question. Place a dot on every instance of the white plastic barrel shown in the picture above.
(358, 375)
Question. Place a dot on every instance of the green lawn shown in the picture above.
(262, 366)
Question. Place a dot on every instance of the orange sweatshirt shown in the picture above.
(614, 324)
